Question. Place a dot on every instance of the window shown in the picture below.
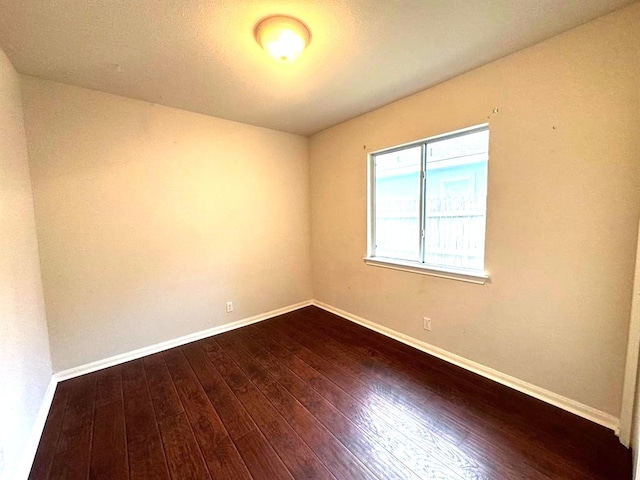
(427, 205)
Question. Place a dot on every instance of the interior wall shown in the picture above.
(151, 218)
(25, 364)
(563, 207)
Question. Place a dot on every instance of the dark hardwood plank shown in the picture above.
(49, 441)
(183, 453)
(485, 405)
(109, 385)
(453, 399)
(163, 392)
(385, 400)
(402, 415)
(235, 418)
(430, 457)
(475, 417)
(512, 464)
(358, 358)
(144, 446)
(261, 458)
(295, 454)
(219, 452)
(362, 442)
(434, 437)
(73, 452)
(335, 456)
(109, 447)
(78, 416)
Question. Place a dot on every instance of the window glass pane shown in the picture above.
(456, 199)
(397, 204)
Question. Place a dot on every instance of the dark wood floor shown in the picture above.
(310, 395)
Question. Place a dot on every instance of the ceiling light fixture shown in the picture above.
(283, 37)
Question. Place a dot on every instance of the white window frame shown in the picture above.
(471, 276)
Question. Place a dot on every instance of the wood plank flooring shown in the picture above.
(309, 395)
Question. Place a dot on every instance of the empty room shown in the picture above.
(341, 239)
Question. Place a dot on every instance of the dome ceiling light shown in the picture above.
(284, 38)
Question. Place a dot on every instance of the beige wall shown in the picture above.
(563, 209)
(151, 218)
(25, 365)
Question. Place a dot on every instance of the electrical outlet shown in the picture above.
(229, 307)
(427, 323)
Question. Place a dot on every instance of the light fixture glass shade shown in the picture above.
(283, 37)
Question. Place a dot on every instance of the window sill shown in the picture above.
(479, 278)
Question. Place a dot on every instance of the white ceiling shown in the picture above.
(201, 55)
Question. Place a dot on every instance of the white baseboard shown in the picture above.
(547, 396)
(29, 452)
(176, 342)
